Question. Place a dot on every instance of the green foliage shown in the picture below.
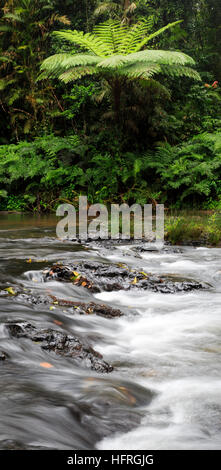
(182, 229)
(188, 229)
(25, 26)
(115, 55)
(193, 168)
(13, 203)
(128, 120)
(117, 49)
(41, 165)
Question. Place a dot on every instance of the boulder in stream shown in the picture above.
(60, 343)
(98, 277)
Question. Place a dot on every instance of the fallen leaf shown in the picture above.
(29, 260)
(57, 322)
(84, 284)
(144, 274)
(47, 365)
(10, 290)
(75, 278)
(134, 281)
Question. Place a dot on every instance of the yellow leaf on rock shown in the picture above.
(10, 291)
(144, 274)
(75, 273)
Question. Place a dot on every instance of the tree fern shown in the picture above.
(113, 45)
(115, 49)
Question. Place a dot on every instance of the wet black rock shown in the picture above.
(3, 356)
(61, 344)
(154, 249)
(78, 307)
(88, 309)
(33, 299)
(98, 277)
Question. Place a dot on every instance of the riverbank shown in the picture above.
(190, 228)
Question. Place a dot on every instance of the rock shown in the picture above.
(3, 356)
(98, 277)
(79, 307)
(88, 309)
(61, 344)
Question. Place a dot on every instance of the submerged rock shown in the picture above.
(61, 344)
(88, 309)
(3, 356)
(79, 307)
(98, 277)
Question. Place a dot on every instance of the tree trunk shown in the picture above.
(117, 99)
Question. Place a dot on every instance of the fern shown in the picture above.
(117, 47)
(193, 168)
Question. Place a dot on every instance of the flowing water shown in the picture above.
(165, 390)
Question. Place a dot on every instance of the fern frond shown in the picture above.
(113, 61)
(153, 35)
(111, 34)
(76, 73)
(160, 57)
(57, 64)
(86, 40)
(134, 35)
(180, 71)
(142, 71)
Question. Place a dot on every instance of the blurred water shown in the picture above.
(164, 392)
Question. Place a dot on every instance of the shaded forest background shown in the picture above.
(59, 140)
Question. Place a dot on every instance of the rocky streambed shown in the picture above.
(109, 345)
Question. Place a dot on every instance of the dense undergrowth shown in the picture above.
(38, 175)
(126, 110)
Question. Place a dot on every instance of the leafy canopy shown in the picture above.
(116, 48)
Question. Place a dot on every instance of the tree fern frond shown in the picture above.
(113, 61)
(76, 73)
(142, 71)
(180, 71)
(153, 35)
(134, 35)
(111, 33)
(86, 40)
(59, 63)
(160, 57)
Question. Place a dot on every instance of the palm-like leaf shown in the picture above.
(117, 48)
(88, 41)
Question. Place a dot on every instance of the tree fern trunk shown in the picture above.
(117, 99)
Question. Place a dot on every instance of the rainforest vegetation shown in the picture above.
(119, 100)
